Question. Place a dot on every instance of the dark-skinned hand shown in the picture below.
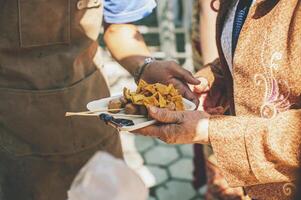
(167, 72)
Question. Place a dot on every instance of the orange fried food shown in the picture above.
(157, 94)
(150, 101)
(178, 101)
(138, 99)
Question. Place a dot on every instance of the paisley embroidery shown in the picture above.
(275, 99)
(289, 189)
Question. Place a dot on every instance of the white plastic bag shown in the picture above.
(107, 178)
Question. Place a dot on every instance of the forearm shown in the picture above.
(126, 45)
(252, 150)
(207, 31)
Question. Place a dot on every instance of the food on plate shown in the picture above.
(159, 95)
(143, 110)
(115, 104)
(132, 109)
(123, 101)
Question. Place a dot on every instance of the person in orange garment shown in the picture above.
(257, 76)
(205, 51)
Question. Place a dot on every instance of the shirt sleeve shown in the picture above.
(252, 150)
(125, 11)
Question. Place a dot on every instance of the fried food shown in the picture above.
(131, 109)
(124, 101)
(115, 104)
(143, 110)
(159, 95)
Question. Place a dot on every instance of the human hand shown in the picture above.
(208, 97)
(177, 127)
(167, 72)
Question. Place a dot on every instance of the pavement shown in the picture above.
(165, 169)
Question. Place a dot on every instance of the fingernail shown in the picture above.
(199, 88)
(154, 109)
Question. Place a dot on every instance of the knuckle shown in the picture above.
(164, 115)
(163, 134)
(172, 134)
(169, 141)
(180, 117)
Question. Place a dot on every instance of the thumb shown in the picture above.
(202, 87)
(165, 115)
(185, 75)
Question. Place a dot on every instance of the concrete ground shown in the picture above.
(165, 169)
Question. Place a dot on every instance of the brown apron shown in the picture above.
(49, 64)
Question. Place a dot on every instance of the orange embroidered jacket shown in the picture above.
(259, 147)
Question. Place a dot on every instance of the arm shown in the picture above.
(257, 150)
(129, 49)
(126, 45)
(207, 31)
(249, 150)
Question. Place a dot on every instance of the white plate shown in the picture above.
(139, 122)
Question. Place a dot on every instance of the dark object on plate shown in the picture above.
(123, 101)
(143, 110)
(115, 104)
(115, 122)
(131, 109)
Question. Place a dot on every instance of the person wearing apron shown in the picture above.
(50, 63)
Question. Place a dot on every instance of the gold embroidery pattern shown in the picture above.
(275, 100)
(289, 189)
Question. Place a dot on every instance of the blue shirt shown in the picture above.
(125, 11)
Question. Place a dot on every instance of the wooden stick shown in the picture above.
(126, 115)
(81, 114)
(96, 114)
(91, 111)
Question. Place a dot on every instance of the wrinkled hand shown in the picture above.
(177, 127)
(208, 97)
(167, 72)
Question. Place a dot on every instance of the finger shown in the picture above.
(164, 132)
(202, 87)
(184, 75)
(152, 131)
(165, 115)
(185, 91)
(191, 96)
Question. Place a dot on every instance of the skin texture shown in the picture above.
(208, 98)
(178, 127)
(207, 30)
(167, 72)
(127, 46)
(183, 127)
